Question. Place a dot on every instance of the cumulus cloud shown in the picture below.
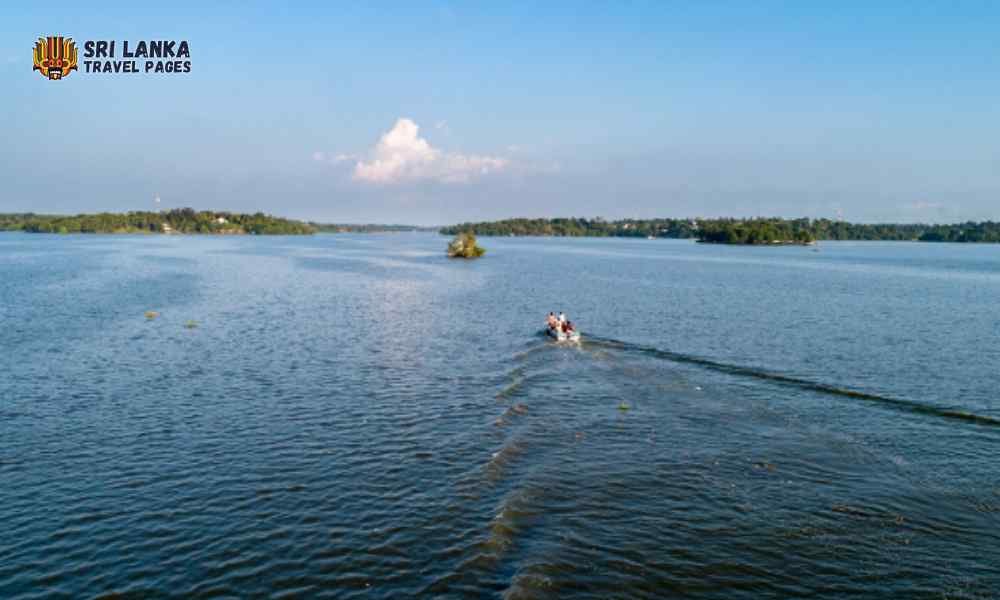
(402, 155)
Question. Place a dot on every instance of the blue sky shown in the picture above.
(436, 112)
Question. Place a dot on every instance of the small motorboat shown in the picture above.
(561, 336)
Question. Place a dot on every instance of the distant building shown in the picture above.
(166, 228)
(221, 220)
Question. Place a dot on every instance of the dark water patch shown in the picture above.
(10, 415)
(911, 406)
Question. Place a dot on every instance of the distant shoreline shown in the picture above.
(172, 222)
(185, 221)
(726, 231)
(756, 231)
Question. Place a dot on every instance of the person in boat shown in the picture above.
(552, 321)
(568, 327)
(562, 318)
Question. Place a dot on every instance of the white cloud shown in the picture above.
(402, 155)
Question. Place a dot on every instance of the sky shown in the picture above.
(438, 112)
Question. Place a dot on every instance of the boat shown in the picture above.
(560, 336)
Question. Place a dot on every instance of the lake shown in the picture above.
(358, 416)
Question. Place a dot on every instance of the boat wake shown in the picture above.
(911, 406)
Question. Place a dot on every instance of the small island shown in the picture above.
(177, 221)
(755, 232)
(464, 246)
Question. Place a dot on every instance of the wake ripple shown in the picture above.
(911, 406)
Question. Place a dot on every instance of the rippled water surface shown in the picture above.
(357, 416)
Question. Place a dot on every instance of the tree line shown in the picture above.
(181, 220)
(736, 231)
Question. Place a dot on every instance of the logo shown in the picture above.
(55, 57)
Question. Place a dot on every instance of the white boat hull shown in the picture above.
(559, 336)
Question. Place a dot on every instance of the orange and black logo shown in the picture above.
(55, 56)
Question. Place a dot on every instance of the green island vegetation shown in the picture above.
(17, 221)
(464, 246)
(366, 228)
(181, 220)
(737, 231)
(755, 232)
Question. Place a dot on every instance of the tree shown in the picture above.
(464, 246)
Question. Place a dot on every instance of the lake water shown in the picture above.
(358, 416)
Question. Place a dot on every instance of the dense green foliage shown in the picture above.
(738, 231)
(183, 220)
(366, 228)
(987, 231)
(464, 246)
(755, 232)
(17, 221)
